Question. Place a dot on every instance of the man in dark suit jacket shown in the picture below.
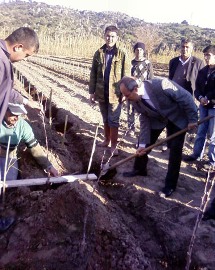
(184, 68)
(161, 103)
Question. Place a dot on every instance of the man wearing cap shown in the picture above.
(15, 127)
(161, 103)
(141, 69)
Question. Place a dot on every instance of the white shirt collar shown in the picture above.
(184, 62)
(143, 92)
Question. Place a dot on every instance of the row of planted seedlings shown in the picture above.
(34, 92)
(75, 69)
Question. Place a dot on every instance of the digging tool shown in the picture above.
(93, 150)
(108, 171)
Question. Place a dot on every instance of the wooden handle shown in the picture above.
(159, 143)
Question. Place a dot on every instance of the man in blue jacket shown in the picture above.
(20, 44)
(205, 94)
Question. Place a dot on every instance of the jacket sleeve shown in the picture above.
(93, 74)
(171, 69)
(40, 156)
(126, 71)
(151, 72)
(145, 129)
(33, 145)
(16, 97)
(182, 98)
(198, 91)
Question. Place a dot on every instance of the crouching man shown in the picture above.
(18, 130)
(15, 127)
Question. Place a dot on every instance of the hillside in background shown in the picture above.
(58, 21)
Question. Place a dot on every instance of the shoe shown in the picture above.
(102, 144)
(166, 192)
(190, 158)
(132, 133)
(164, 148)
(208, 166)
(5, 223)
(207, 215)
(134, 173)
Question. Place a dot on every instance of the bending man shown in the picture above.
(161, 103)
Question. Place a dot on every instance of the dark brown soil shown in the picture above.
(114, 225)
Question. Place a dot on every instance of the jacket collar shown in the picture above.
(4, 48)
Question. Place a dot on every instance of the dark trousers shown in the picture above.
(175, 155)
(211, 209)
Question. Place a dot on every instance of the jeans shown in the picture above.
(11, 171)
(205, 128)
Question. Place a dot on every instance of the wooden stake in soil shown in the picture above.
(207, 191)
(29, 90)
(93, 150)
(65, 126)
(5, 171)
(50, 108)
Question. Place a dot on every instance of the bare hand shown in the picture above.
(141, 151)
(35, 105)
(203, 101)
(53, 171)
(192, 126)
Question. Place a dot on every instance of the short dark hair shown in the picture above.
(186, 40)
(25, 35)
(209, 49)
(111, 28)
(130, 82)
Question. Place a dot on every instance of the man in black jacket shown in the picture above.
(184, 68)
(210, 212)
(205, 94)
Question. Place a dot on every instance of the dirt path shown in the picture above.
(122, 224)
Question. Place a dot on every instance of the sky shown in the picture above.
(154, 11)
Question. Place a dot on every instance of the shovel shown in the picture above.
(108, 171)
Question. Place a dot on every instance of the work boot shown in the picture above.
(190, 158)
(208, 215)
(106, 141)
(5, 223)
(134, 173)
(113, 139)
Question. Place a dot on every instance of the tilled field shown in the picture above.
(119, 224)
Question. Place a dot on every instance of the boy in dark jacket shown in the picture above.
(205, 94)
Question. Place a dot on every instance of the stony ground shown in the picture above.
(118, 224)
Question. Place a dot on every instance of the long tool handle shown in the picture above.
(93, 150)
(159, 143)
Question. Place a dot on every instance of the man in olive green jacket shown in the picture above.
(110, 64)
